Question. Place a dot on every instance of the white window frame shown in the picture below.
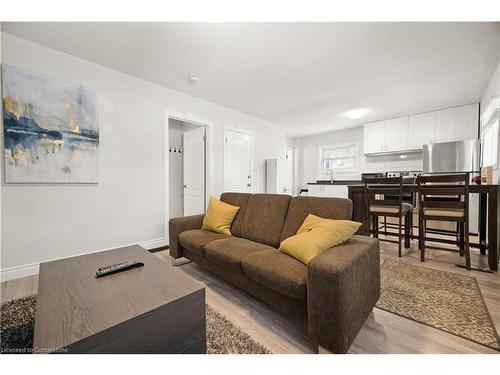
(490, 118)
(321, 150)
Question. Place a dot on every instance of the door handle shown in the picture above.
(249, 185)
(249, 177)
(184, 186)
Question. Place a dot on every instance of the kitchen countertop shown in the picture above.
(335, 182)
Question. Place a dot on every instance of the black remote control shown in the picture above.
(119, 267)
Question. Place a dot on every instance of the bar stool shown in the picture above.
(376, 190)
(445, 198)
(408, 197)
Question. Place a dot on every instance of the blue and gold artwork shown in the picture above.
(51, 129)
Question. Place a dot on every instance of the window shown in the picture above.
(489, 135)
(339, 157)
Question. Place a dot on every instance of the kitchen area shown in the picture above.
(449, 140)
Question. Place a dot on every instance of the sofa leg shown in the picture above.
(322, 350)
(180, 261)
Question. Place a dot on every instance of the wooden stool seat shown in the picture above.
(391, 209)
(450, 212)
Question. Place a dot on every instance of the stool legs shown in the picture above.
(421, 230)
(461, 238)
(399, 238)
(404, 234)
(466, 243)
(408, 228)
(375, 226)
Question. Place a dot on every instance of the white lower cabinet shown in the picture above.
(332, 191)
(314, 190)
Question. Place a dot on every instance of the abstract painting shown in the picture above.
(51, 129)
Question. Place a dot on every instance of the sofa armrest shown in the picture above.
(343, 286)
(178, 225)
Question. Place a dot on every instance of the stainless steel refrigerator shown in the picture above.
(453, 157)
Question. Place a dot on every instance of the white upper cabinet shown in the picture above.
(467, 123)
(396, 134)
(445, 125)
(412, 132)
(374, 137)
(457, 123)
(421, 130)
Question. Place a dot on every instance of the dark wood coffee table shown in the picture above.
(151, 309)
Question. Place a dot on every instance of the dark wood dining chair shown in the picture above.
(445, 198)
(380, 202)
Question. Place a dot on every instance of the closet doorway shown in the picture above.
(187, 167)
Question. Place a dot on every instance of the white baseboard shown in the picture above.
(154, 244)
(26, 270)
(12, 273)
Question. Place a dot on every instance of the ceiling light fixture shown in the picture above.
(356, 113)
(192, 80)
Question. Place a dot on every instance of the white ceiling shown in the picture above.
(304, 76)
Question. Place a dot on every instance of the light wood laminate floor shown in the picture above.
(383, 332)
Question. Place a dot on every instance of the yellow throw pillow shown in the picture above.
(317, 234)
(219, 216)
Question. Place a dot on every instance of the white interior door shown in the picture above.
(194, 171)
(238, 161)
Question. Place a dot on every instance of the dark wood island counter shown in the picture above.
(488, 216)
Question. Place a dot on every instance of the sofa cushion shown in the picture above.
(219, 216)
(328, 208)
(264, 218)
(240, 200)
(317, 234)
(277, 271)
(229, 252)
(196, 239)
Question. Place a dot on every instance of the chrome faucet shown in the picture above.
(331, 175)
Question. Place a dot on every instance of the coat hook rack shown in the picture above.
(177, 150)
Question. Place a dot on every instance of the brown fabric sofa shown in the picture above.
(335, 293)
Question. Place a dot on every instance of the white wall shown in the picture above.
(308, 157)
(175, 162)
(43, 222)
(492, 89)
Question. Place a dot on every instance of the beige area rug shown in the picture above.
(17, 320)
(447, 301)
(223, 337)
